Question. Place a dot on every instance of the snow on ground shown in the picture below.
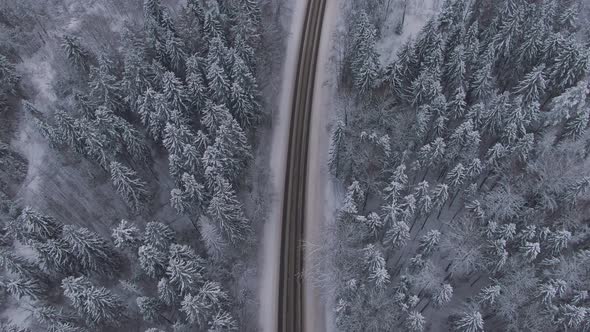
(417, 14)
(271, 237)
(321, 199)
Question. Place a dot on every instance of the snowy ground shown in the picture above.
(271, 238)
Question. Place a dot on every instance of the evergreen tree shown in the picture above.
(533, 85)
(415, 322)
(443, 295)
(33, 226)
(126, 235)
(174, 91)
(96, 305)
(365, 61)
(152, 260)
(226, 211)
(93, 254)
(159, 235)
(76, 53)
(55, 256)
(21, 287)
(469, 321)
(128, 185)
(184, 269)
(150, 308)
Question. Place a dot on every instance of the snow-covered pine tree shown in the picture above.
(126, 235)
(93, 254)
(77, 54)
(128, 185)
(365, 61)
(225, 210)
(97, 305)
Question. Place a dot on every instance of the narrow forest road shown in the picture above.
(291, 291)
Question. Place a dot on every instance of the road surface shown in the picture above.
(291, 294)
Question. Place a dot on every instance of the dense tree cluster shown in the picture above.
(175, 85)
(465, 161)
(169, 282)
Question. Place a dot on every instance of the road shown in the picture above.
(291, 294)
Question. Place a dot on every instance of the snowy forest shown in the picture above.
(464, 165)
(129, 135)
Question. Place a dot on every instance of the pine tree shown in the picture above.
(571, 64)
(104, 87)
(455, 68)
(576, 126)
(96, 305)
(166, 292)
(415, 322)
(150, 308)
(128, 185)
(530, 250)
(17, 264)
(482, 80)
(174, 91)
(456, 176)
(195, 85)
(33, 226)
(365, 62)
(469, 321)
(443, 295)
(398, 234)
(429, 242)
(225, 210)
(533, 85)
(158, 235)
(24, 286)
(489, 294)
(126, 235)
(570, 316)
(175, 51)
(184, 269)
(219, 85)
(152, 260)
(76, 53)
(92, 253)
(154, 111)
(55, 256)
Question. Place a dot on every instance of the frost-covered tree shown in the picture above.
(184, 270)
(77, 54)
(128, 185)
(365, 61)
(126, 235)
(443, 295)
(469, 321)
(226, 211)
(97, 305)
(415, 322)
(429, 242)
(93, 254)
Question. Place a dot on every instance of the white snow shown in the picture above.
(271, 237)
(417, 14)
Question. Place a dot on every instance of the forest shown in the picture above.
(157, 108)
(465, 169)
